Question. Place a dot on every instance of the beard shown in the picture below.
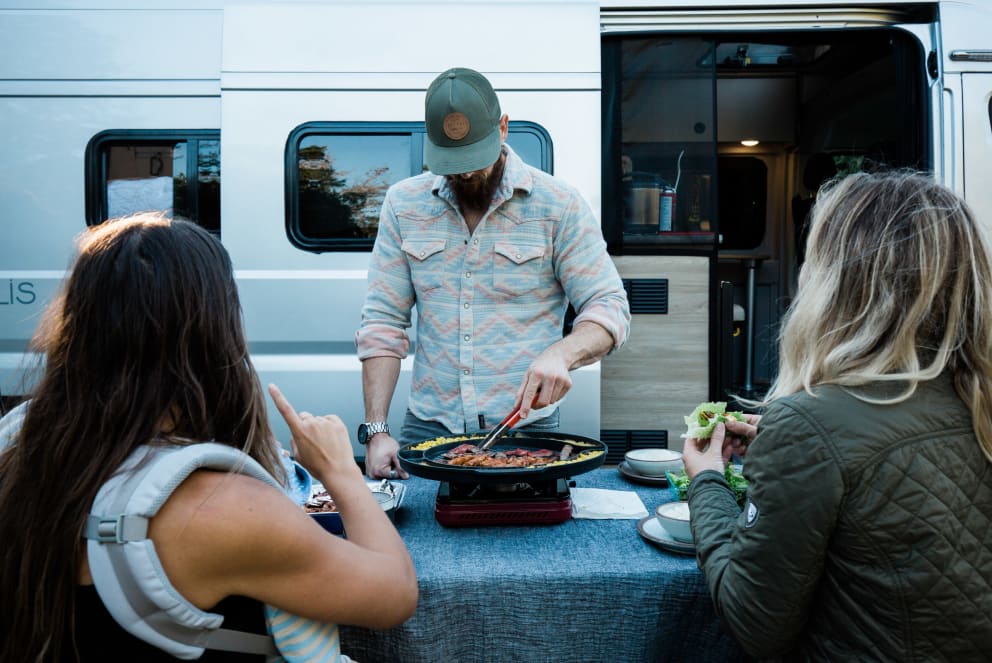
(476, 192)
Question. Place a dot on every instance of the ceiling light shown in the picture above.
(749, 142)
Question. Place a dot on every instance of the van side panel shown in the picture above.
(67, 74)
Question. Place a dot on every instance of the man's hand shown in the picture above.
(546, 381)
(381, 460)
(549, 372)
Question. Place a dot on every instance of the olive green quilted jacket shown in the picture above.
(867, 535)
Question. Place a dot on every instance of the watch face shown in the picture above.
(370, 428)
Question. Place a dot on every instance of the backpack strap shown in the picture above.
(126, 570)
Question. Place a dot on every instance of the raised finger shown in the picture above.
(285, 409)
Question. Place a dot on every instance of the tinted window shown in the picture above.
(337, 175)
(742, 202)
(173, 172)
(343, 180)
(659, 138)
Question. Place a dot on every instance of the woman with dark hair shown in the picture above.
(144, 350)
(865, 535)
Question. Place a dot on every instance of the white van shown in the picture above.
(279, 125)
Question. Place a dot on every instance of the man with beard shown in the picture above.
(491, 251)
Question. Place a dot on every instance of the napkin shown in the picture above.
(603, 503)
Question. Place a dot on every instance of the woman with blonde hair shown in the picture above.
(145, 355)
(866, 532)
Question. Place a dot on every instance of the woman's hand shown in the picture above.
(699, 455)
(714, 453)
(320, 444)
(739, 436)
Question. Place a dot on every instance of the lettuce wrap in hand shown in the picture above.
(705, 417)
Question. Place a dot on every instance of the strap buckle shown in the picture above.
(116, 529)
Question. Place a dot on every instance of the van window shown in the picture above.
(174, 172)
(337, 174)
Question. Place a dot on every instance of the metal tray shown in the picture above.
(331, 520)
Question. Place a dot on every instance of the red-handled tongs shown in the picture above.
(504, 426)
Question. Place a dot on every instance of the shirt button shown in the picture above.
(518, 256)
(465, 371)
(423, 253)
(466, 304)
(475, 241)
(468, 275)
(467, 337)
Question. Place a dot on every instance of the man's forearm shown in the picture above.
(379, 377)
(587, 343)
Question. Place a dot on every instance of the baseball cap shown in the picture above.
(462, 116)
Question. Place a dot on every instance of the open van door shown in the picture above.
(716, 122)
(976, 105)
(967, 85)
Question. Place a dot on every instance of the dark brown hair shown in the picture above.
(144, 343)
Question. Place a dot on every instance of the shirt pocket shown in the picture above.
(517, 268)
(426, 259)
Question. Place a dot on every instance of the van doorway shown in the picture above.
(744, 127)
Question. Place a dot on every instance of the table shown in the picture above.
(584, 590)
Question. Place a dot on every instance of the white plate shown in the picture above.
(628, 473)
(655, 532)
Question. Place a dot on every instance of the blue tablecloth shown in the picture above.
(583, 590)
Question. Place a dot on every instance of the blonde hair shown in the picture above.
(896, 287)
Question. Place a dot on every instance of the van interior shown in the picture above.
(715, 145)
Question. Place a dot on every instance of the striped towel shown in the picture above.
(301, 640)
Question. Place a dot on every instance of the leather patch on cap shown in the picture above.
(456, 126)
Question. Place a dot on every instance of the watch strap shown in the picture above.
(375, 427)
(370, 428)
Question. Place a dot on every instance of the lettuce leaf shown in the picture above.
(706, 416)
(679, 484)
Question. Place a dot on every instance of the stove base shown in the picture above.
(476, 506)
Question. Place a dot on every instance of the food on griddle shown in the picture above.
(478, 438)
(468, 455)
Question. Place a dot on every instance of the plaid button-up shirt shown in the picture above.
(488, 303)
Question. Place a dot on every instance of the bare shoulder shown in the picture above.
(236, 505)
(218, 527)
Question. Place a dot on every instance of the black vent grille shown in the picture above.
(619, 442)
(647, 295)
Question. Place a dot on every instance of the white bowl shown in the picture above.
(674, 517)
(653, 462)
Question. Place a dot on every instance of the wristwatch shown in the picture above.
(370, 428)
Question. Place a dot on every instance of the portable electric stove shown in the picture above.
(481, 495)
(538, 503)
